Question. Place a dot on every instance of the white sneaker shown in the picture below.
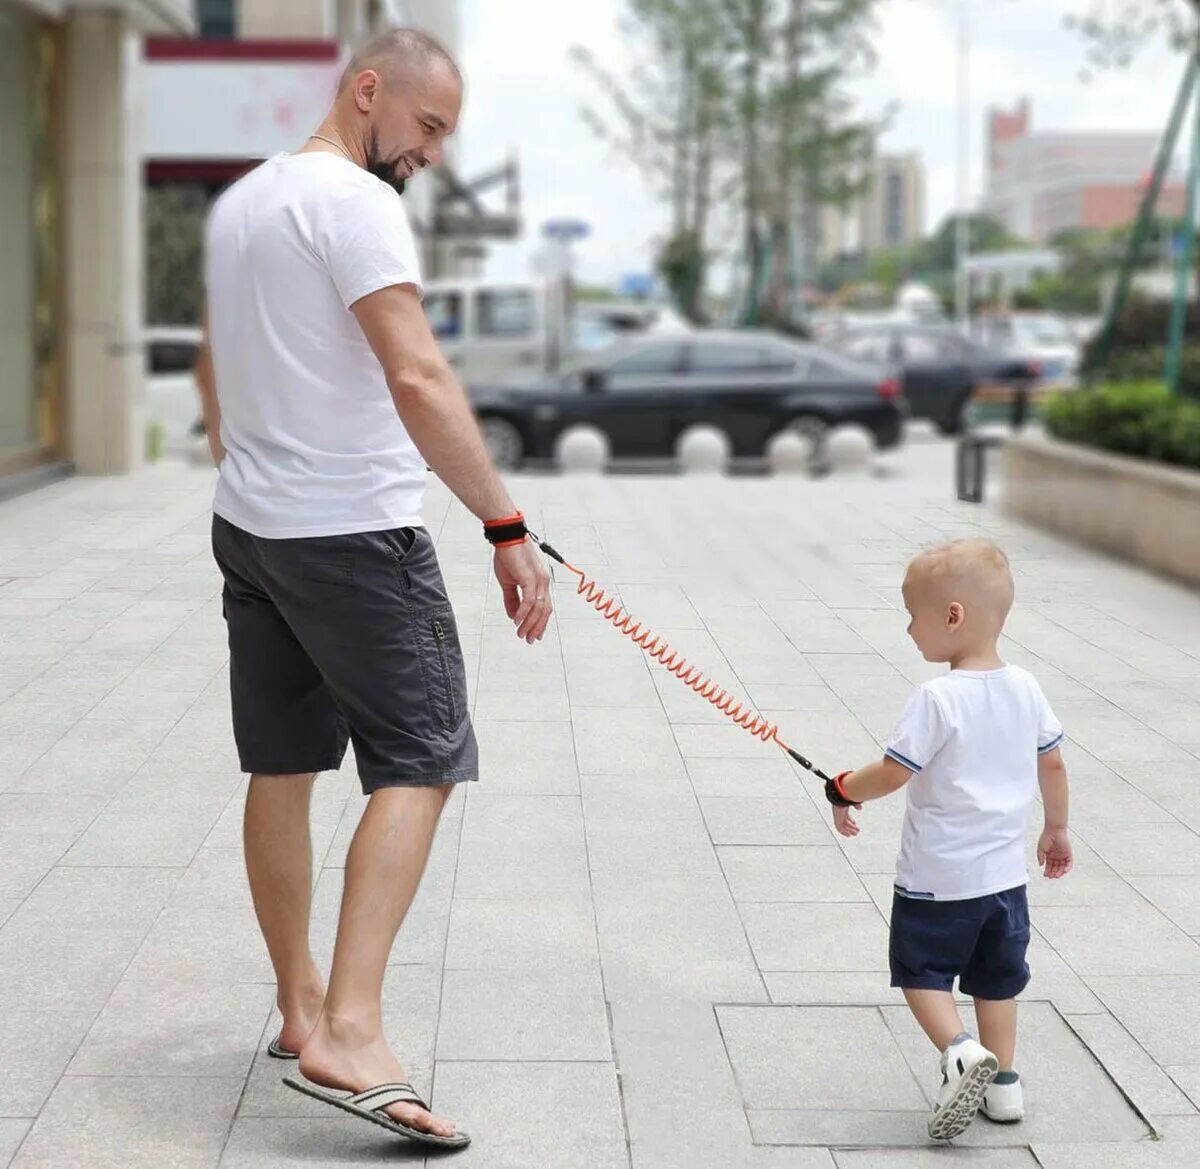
(1004, 1103)
(967, 1070)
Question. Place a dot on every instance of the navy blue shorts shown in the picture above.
(980, 941)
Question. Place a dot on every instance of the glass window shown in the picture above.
(734, 358)
(172, 356)
(444, 310)
(932, 347)
(217, 19)
(868, 346)
(654, 359)
(782, 359)
(508, 313)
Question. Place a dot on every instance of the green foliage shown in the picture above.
(1138, 346)
(737, 102)
(1141, 419)
(1115, 31)
(175, 254)
(1148, 362)
(681, 262)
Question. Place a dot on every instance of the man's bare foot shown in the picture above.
(352, 1058)
(300, 1016)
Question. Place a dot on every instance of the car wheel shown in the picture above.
(503, 441)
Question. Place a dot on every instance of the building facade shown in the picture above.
(257, 81)
(1039, 184)
(891, 213)
(70, 234)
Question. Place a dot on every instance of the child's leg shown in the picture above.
(998, 1028)
(936, 1012)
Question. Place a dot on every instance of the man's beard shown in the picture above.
(385, 170)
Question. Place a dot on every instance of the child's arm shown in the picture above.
(1054, 847)
(872, 782)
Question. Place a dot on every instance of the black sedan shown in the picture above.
(645, 394)
(941, 369)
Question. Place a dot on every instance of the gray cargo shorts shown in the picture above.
(345, 638)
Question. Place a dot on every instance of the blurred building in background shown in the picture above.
(258, 80)
(891, 213)
(70, 231)
(1041, 183)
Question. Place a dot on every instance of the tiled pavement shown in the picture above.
(639, 942)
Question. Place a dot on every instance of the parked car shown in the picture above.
(940, 369)
(644, 394)
(1043, 339)
(172, 402)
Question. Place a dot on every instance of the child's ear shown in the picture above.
(955, 615)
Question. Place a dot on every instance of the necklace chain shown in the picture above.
(331, 142)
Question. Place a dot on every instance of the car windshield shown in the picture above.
(1041, 331)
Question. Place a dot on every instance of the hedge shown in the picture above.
(1141, 419)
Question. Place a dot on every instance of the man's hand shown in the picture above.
(1054, 853)
(844, 822)
(523, 576)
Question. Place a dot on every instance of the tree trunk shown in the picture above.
(752, 36)
(682, 146)
(785, 204)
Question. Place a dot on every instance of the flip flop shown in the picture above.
(371, 1105)
(277, 1051)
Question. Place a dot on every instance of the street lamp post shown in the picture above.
(962, 238)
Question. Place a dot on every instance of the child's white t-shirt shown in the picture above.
(972, 739)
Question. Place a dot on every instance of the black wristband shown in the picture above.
(510, 533)
(835, 797)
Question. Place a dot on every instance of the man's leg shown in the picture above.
(279, 861)
(348, 1048)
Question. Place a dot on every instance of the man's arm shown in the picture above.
(210, 408)
(429, 400)
(438, 417)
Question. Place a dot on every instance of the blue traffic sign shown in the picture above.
(566, 230)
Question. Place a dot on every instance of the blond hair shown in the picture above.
(974, 572)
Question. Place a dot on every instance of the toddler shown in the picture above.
(972, 746)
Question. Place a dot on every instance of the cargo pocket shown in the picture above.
(445, 671)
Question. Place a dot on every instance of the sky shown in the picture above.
(525, 96)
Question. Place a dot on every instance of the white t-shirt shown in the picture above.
(314, 446)
(972, 739)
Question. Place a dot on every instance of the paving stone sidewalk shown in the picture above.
(639, 944)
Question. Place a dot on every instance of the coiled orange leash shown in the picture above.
(646, 640)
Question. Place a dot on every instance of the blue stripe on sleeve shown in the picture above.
(893, 754)
(1051, 745)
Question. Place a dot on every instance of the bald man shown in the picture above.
(325, 397)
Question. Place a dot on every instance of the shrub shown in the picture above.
(1149, 363)
(1138, 348)
(1140, 419)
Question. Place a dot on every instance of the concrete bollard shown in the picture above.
(703, 450)
(790, 453)
(582, 450)
(850, 447)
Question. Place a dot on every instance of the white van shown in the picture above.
(491, 331)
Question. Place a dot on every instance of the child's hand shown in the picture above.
(1054, 853)
(844, 822)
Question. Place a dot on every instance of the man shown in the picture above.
(324, 397)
